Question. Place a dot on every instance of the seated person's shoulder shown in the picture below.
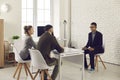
(99, 33)
(90, 33)
(28, 38)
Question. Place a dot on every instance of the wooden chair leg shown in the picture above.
(28, 64)
(102, 62)
(96, 62)
(16, 70)
(36, 74)
(46, 71)
(19, 71)
(25, 70)
(29, 72)
(42, 75)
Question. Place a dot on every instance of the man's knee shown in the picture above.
(86, 52)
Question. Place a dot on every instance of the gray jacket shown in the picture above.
(28, 44)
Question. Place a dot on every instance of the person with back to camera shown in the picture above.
(28, 43)
(46, 44)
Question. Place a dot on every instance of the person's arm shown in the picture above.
(31, 42)
(56, 45)
(88, 43)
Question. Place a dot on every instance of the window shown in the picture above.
(43, 12)
(27, 13)
(35, 13)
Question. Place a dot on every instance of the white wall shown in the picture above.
(83, 12)
(107, 14)
(12, 18)
(61, 12)
(56, 16)
(65, 13)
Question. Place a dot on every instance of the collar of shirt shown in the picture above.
(94, 32)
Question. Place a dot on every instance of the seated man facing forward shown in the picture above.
(46, 44)
(94, 45)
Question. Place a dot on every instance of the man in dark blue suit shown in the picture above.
(94, 45)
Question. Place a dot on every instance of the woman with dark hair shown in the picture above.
(28, 44)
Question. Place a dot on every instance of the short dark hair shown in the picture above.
(26, 29)
(47, 27)
(93, 23)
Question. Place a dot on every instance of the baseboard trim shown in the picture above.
(108, 62)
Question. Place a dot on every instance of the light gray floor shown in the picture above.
(71, 72)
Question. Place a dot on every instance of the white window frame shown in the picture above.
(35, 16)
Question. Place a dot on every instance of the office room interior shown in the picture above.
(74, 24)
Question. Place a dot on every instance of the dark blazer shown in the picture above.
(46, 44)
(28, 44)
(97, 43)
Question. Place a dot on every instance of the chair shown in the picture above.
(17, 47)
(98, 56)
(39, 63)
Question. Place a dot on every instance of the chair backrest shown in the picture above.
(17, 47)
(37, 59)
(103, 44)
